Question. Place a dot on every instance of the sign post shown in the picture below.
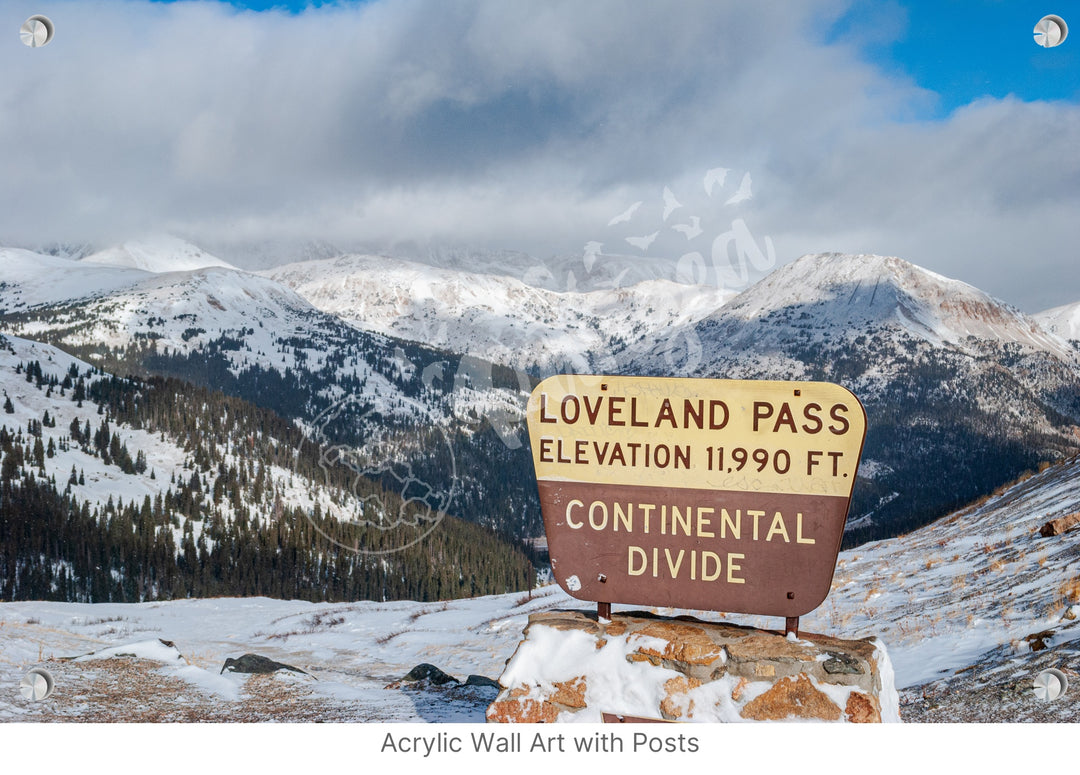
(721, 495)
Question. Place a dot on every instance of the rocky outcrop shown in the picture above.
(426, 677)
(572, 666)
(256, 663)
(428, 673)
(1056, 527)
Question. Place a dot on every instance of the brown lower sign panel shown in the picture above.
(763, 553)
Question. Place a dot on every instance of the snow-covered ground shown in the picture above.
(354, 650)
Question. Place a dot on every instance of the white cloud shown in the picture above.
(517, 125)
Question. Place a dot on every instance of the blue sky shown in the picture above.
(964, 50)
(934, 131)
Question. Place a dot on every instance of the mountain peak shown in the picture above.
(158, 254)
(823, 274)
(867, 289)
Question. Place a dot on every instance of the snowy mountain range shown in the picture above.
(962, 390)
(256, 339)
(498, 317)
(248, 322)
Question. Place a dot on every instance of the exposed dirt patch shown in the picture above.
(140, 691)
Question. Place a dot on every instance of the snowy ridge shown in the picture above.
(1061, 321)
(216, 300)
(29, 279)
(158, 254)
(496, 317)
(855, 303)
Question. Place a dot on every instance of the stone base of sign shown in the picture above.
(572, 666)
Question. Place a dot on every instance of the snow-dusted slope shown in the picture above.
(101, 482)
(497, 317)
(1061, 321)
(29, 279)
(983, 576)
(157, 254)
(214, 300)
(167, 461)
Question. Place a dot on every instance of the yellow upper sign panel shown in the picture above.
(745, 435)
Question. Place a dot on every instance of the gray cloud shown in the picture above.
(521, 126)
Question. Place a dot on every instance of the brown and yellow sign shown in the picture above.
(722, 495)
